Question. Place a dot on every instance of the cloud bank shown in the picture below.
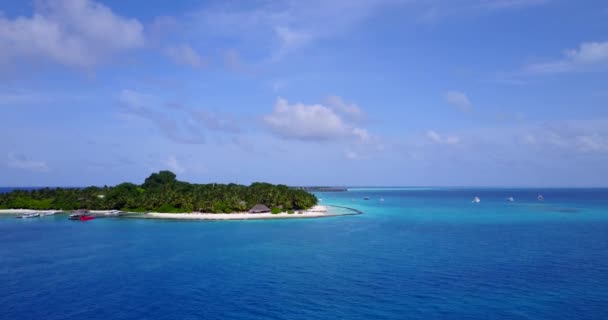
(589, 56)
(314, 122)
(78, 33)
(185, 55)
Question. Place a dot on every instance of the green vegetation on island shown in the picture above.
(162, 192)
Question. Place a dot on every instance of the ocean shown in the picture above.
(421, 253)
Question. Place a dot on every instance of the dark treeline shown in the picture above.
(162, 192)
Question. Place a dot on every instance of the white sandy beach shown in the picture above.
(23, 211)
(314, 212)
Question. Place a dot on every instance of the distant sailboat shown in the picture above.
(381, 199)
(540, 197)
(510, 199)
(476, 200)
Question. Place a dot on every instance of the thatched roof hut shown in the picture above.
(259, 208)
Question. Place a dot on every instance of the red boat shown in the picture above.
(81, 215)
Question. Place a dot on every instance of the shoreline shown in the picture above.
(314, 212)
(318, 211)
(23, 211)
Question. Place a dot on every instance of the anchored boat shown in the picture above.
(48, 213)
(81, 215)
(29, 215)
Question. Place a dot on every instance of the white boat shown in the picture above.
(381, 199)
(476, 200)
(29, 215)
(540, 197)
(510, 199)
(48, 213)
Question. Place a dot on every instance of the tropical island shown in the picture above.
(163, 196)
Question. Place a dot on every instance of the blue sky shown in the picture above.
(368, 92)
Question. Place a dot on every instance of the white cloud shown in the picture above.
(20, 161)
(216, 121)
(552, 140)
(185, 55)
(310, 122)
(589, 136)
(459, 100)
(590, 52)
(178, 123)
(439, 139)
(134, 100)
(592, 143)
(433, 136)
(176, 126)
(347, 109)
(78, 33)
(284, 26)
(589, 56)
(291, 39)
(573, 151)
(174, 165)
(361, 134)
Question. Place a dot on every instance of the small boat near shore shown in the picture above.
(365, 198)
(48, 213)
(81, 215)
(540, 197)
(476, 200)
(510, 199)
(29, 215)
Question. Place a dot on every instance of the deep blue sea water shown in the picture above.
(419, 254)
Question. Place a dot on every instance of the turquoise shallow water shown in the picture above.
(419, 254)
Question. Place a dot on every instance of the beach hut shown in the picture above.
(259, 208)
